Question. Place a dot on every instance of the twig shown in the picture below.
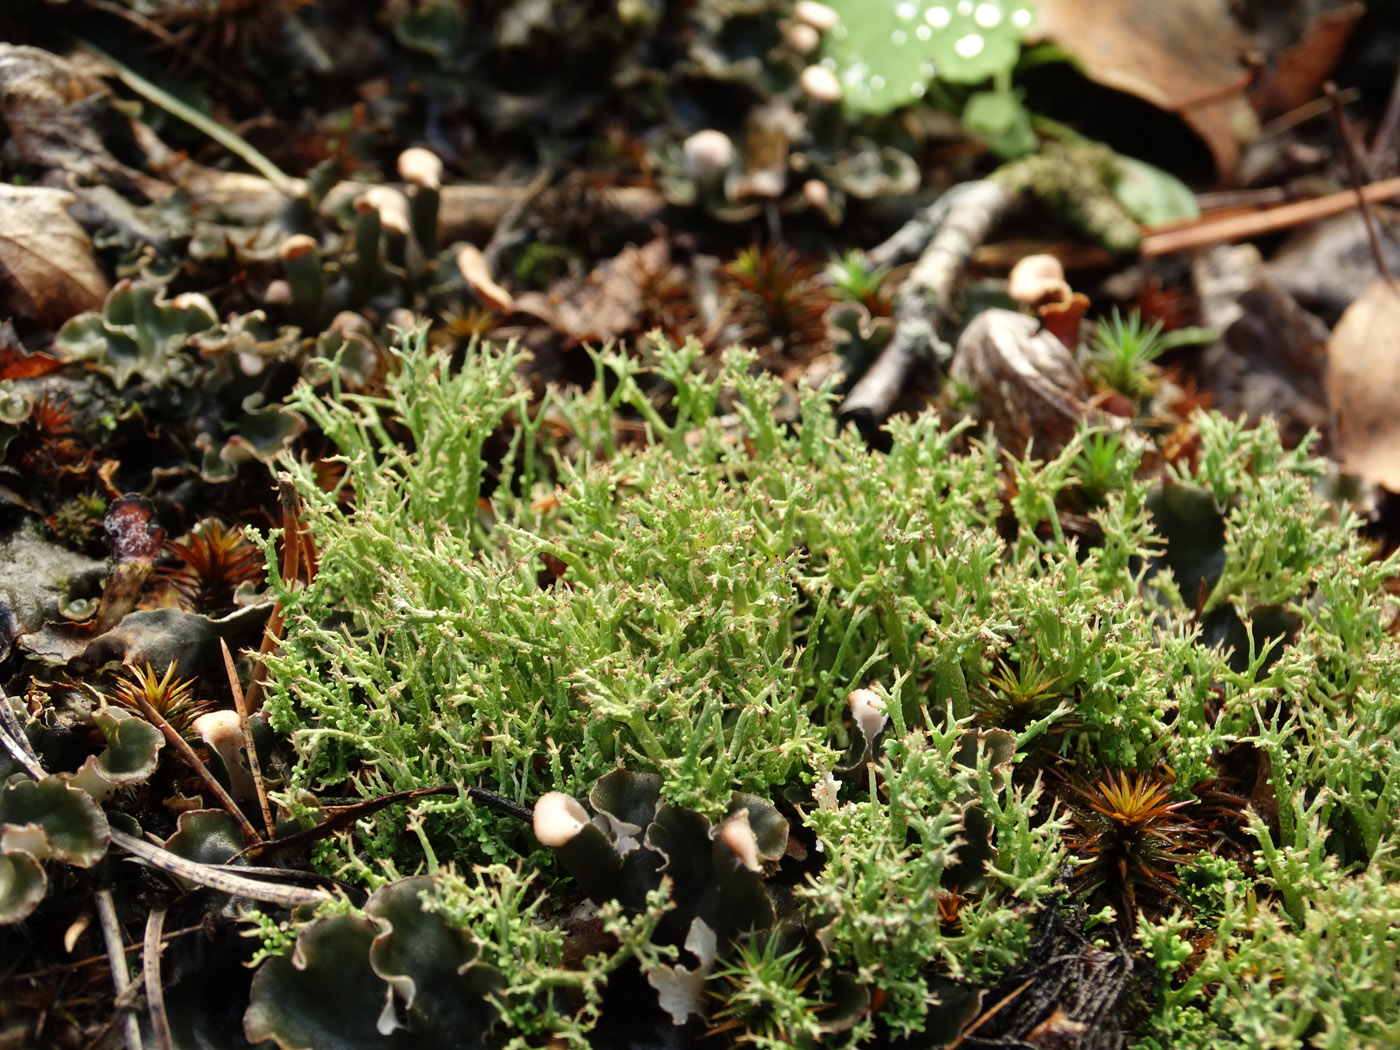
(337, 817)
(969, 213)
(1209, 230)
(215, 878)
(244, 711)
(1339, 116)
(155, 991)
(116, 953)
(183, 749)
(236, 145)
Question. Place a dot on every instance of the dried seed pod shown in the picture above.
(1028, 386)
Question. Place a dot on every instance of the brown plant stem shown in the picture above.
(1339, 117)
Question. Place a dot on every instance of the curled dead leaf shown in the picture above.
(1363, 383)
(47, 270)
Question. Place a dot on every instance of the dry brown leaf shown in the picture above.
(55, 109)
(605, 307)
(1028, 385)
(47, 272)
(1300, 69)
(1364, 385)
(1183, 57)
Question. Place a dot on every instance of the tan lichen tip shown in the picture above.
(818, 16)
(821, 84)
(558, 819)
(219, 729)
(297, 246)
(736, 833)
(1037, 279)
(421, 167)
(801, 37)
(817, 194)
(391, 205)
(707, 153)
(868, 710)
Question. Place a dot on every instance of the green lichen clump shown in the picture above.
(682, 572)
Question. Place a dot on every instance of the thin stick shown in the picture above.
(116, 954)
(155, 991)
(1339, 116)
(183, 749)
(1307, 111)
(1208, 231)
(992, 1012)
(244, 711)
(215, 879)
(122, 1005)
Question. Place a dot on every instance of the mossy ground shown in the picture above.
(517, 598)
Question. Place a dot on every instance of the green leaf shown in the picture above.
(1151, 195)
(324, 995)
(131, 755)
(885, 52)
(999, 117)
(52, 819)
(208, 836)
(440, 986)
(138, 333)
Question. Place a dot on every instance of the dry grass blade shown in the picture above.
(244, 710)
(295, 542)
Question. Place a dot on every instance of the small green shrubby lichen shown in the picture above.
(523, 597)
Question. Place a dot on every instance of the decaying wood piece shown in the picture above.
(953, 228)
